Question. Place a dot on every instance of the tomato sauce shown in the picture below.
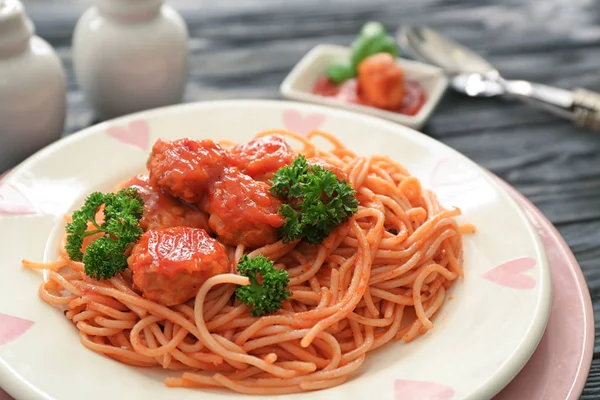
(169, 265)
(260, 158)
(414, 94)
(161, 210)
(185, 168)
(243, 198)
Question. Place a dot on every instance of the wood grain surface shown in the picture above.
(244, 48)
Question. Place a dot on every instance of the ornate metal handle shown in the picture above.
(580, 105)
(555, 100)
(586, 108)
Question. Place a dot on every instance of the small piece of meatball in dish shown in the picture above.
(381, 81)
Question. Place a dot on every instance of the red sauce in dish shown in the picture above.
(414, 95)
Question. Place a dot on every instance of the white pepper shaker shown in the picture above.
(32, 88)
(130, 55)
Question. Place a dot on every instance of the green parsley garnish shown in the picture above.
(316, 201)
(264, 297)
(105, 256)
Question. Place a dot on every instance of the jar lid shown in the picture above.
(15, 27)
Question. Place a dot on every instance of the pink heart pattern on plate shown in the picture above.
(420, 390)
(302, 124)
(510, 273)
(12, 327)
(136, 134)
(13, 202)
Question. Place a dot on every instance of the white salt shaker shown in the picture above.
(130, 55)
(32, 88)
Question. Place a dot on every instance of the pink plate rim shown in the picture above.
(585, 362)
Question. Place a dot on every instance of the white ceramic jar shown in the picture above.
(130, 55)
(32, 88)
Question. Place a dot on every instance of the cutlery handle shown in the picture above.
(581, 106)
(586, 108)
(555, 100)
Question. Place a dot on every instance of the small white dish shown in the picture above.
(299, 83)
(481, 339)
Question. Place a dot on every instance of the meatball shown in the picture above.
(381, 81)
(169, 265)
(242, 211)
(338, 172)
(261, 157)
(161, 210)
(186, 167)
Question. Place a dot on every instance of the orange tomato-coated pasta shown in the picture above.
(380, 277)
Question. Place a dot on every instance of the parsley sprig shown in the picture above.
(315, 201)
(105, 256)
(263, 297)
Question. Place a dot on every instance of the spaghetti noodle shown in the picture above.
(380, 277)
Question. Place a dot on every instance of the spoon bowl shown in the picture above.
(430, 46)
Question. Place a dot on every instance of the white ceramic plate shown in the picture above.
(481, 338)
(299, 83)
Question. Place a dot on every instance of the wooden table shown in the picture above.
(244, 48)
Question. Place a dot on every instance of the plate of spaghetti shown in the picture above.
(263, 248)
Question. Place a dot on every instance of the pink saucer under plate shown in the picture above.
(559, 367)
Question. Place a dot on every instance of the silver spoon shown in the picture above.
(472, 75)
